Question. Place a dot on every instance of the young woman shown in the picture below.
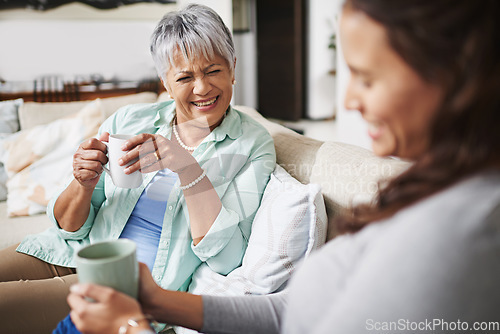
(425, 76)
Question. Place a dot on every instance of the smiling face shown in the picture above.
(202, 89)
(394, 99)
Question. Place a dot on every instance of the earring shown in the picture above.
(234, 82)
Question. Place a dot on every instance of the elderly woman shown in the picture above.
(205, 167)
(425, 255)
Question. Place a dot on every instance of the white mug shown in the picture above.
(120, 179)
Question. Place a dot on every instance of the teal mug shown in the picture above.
(111, 263)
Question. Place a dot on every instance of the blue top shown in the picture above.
(145, 222)
(238, 156)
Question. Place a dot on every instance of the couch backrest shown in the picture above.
(32, 114)
(347, 174)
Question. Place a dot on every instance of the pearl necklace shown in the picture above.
(176, 134)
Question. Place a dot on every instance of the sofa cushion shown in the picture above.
(13, 230)
(290, 223)
(39, 160)
(32, 114)
(350, 175)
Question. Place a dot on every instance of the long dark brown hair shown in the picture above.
(455, 44)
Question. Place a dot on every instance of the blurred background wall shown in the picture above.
(78, 40)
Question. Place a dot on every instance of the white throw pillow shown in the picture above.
(9, 123)
(39, 160)
(290, 223)
(9, 119)
(3, 172)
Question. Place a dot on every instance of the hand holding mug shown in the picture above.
(108, 310)
(148, 153)
(117, 166)
(89, 159)
(92, 155)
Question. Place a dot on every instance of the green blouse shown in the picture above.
(238, 156)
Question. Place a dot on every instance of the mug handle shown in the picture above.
(104, 167)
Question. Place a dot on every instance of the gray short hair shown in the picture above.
(195, 30)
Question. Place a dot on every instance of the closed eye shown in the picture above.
(362, 80)
(182, 79)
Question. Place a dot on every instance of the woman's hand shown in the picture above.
(112, 309)
(89, 159)
(148, 291)
(109, 311)
(172, 307)
(155, 152)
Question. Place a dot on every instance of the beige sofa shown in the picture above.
(347, 174)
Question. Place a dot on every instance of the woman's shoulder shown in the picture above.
(138, 115)
(249, 127)
(141, 110)
(246, 135)
(443, 225)
(249, 124)
(470, 199)
(457, 217)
